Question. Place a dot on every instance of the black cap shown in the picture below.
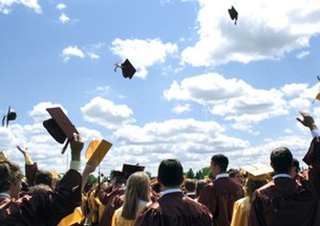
(128, 170)
(11, 116)
(127, 68)
(233, 14)
(59, 126)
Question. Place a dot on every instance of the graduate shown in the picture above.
(173, 207)
(286, 200)
(220, 195)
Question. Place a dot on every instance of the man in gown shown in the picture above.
(286, 200)
(173, 208)
(220, 195)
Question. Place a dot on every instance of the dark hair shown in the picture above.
(233, 173)
(281, 160)
(221, 161)
(170, 173)
(190, 185)
(199, 187)
(10, 174)
(39, 189)
(44, 177)
(295, 163)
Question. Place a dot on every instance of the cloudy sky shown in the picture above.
(203, 85)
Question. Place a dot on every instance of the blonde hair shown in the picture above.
(137, 189)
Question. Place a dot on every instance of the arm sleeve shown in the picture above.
(207, 198)
(256, 214)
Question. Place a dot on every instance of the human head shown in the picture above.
(137, 188)
(11, 176)
(170, 173)
(281, 160)
(250, 186)
(219, 164)
(235, 176)
(190, 185)
(44, 177)
(199, 187)
(295, 168)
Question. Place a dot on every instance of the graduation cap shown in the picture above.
(96, 151)
(127, 68)
(233, 14)
(128, 169)
(258, 171)
(11, 116)
(59, 126)
(3, 157)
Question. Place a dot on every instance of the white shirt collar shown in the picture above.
(5, 195)
(222, 175)
(169, 191)
(281, 175)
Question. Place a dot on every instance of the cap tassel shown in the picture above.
(117, 66)
(65, 147)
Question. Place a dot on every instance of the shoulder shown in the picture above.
(265, 192)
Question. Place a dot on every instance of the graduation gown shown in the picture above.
(219, 197)
(44, 209)
(112, 202)
(286, 201)
(175, 209)
(241, 210)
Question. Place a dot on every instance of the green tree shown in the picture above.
(91, 179)
(206, 171)
(190, 174)
(199, 175)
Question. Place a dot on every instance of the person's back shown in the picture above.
(287, 201)
(220, 195)
(174, 208)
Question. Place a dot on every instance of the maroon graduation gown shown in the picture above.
(219, 197)
(112, 202)
(286, 201)
(175, 209)
(44, 209)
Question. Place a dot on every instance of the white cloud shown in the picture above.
(6, 5)
(39, 113)
(143, 53)
(64, 19)
(61, 6)
(94, 56)
(72, 51)
(181, 108)
(106, 113)
(302, 54)
(266, 29)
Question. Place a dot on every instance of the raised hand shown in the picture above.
(307, 120)
(24, 152)
(76, 147)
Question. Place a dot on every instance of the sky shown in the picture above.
(203, 85)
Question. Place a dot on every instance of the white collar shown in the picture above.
(171, 190)
(5, 195)
(190, 193)
(141, 202)
(281, 175)
(222, 175)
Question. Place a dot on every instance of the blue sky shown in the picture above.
(203, 85)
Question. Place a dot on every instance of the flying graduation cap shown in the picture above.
(318, 95)
(127, 68)
(59, 126)
(11, 116)
(233, 14)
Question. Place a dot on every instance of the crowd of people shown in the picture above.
(258, 195)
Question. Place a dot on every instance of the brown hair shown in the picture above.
(10, 174)
(190, 185)
(137, 189)
(250, 186)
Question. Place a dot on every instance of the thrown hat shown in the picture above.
(11, 116)
(233, 14)
(127, 68)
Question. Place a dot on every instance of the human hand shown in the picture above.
(76, 145)
(24, 152)
(307, 120)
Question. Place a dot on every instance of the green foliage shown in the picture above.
(91, 179)
(190, 174)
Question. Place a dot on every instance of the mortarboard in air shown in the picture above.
(128, 169)
(127, 68)
(258, 171)
(59, 126)
(96, 151)
(233, 14)
(11, 116)
(318, 95)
